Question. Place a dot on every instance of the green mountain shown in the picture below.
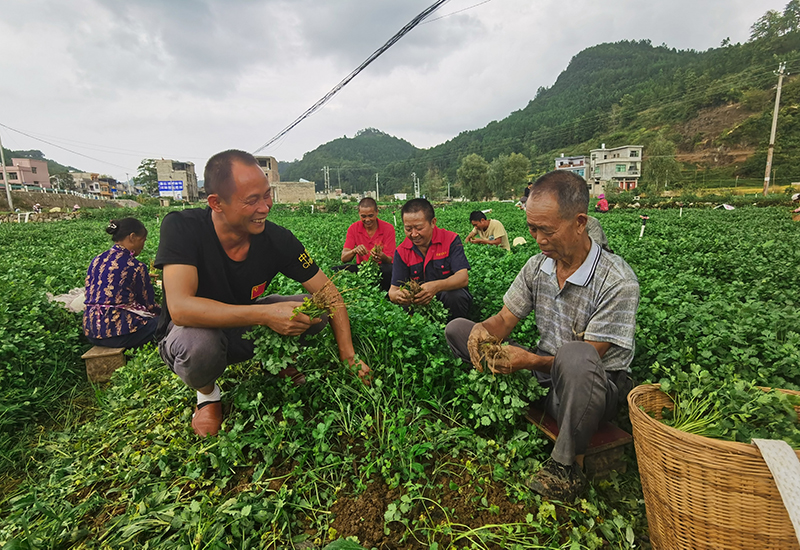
(712, 109)
(352, 162)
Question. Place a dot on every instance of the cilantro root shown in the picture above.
(325, 300)
(412, 287)
(490, 353)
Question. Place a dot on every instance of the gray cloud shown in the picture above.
(187, 78)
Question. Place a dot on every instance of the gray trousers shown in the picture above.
(199, 355)
(582, 393)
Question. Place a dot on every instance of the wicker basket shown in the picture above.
(703, 493)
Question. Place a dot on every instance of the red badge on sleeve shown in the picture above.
(258, 290)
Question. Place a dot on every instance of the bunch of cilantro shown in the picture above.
(728, 407)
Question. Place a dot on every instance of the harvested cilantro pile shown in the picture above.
(728, 408)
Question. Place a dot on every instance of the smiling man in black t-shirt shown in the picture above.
(217, 263)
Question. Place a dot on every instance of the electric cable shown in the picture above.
(65, 149)
(377, 53)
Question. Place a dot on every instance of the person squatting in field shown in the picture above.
(432, 257)
(485, 231)
(368, 239)
(602, 204)
(217, 263)
(120, 307)
(584, 299)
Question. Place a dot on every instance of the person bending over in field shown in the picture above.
(432, 258)
(121, 310)
(370, 239)
(486, 231)
(584, 300)
(217, 264)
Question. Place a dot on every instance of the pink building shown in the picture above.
(28, 172)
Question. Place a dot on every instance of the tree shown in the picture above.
(473, 177)
(433, 185)
(507, 174)
(147, 176)
(790, 21)
(767, 26)
(63, 180)
(660, 166)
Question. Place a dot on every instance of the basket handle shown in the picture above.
(784, 466)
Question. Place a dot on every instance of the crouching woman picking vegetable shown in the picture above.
(121, 311)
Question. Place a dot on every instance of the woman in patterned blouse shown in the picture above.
(121, 311)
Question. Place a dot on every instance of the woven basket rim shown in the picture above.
(718, 445)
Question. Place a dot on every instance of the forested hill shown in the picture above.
(578, 106)
(711, 109)
(354, 159)
(701, 106)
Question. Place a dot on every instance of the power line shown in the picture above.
(107, 148)
(64, 148)
(456, 12)
(400, 34)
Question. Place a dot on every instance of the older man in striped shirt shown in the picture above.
(584, 300)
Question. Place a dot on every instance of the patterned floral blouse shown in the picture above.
(119, 295)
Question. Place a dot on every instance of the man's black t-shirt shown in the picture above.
(188, 238)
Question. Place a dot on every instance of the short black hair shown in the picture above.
(121, 228)
(476, 216)
(217, 174)
(569, 189)
(368, 202)
(418, 205)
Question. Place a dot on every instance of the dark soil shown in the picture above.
(457, 498)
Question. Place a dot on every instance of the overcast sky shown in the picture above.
(120, 81)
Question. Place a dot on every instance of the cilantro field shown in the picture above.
(432, 455)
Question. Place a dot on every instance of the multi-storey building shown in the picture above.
(270, 167)
(285, 191)
(177, 180)
(24, 171)
(577, 165)
(618, 168)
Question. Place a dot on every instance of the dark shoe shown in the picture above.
(297, 377)
(556, 481)
(207, 418)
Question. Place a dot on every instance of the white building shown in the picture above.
(617, 168)
(576, 165)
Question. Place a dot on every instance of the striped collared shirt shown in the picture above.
(598, 303)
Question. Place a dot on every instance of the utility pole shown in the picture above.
(771, 149)
(326, 176)
(377, 193)
(5, 178)
(415, 179)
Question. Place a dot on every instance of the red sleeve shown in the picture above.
(350, 239)
(389, 240)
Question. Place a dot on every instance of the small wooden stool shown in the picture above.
(102, 362)
(606, 448)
